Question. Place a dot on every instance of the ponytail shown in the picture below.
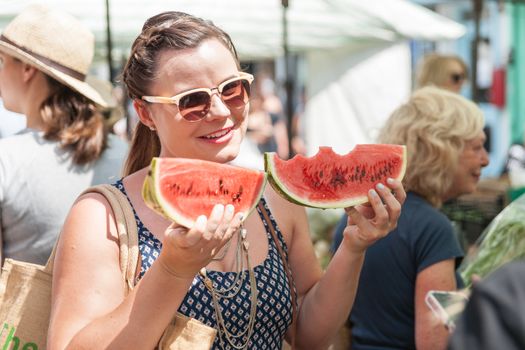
(145, 145)
(75, 122)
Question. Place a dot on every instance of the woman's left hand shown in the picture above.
(369, 222)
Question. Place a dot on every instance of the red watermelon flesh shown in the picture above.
(330, 180)
(183, 189)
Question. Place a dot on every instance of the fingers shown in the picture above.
(184, 237)
(397, 189)
(219, 227)
(392, 205)
(367, 224)
(222, 227)
(214, 222)
(380, 220)
(362, 231)
(213, 231)
(359, 217)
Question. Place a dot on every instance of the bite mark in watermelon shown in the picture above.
(183, 189)
(329, 180)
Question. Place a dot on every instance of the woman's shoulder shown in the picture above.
(418, 206)
(420, 216)
(23, 136)
(93, 209)
(24, 147)
(285, 213)
(277, 202)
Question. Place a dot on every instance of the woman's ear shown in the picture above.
(143, 113)
(28, 72)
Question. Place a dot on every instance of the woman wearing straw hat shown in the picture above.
(44, 58)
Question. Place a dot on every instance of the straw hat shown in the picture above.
(54, 42)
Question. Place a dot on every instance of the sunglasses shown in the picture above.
(457, 77)
(195, 104)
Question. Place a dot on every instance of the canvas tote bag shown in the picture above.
(25, 291)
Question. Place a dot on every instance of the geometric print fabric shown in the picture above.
(274, 305)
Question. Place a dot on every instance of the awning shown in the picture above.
(256, 25)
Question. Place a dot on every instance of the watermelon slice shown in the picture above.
(183, 189)
(329, 180)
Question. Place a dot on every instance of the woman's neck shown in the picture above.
(37, 92)
(34, 120)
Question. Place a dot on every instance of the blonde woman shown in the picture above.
(445, 71)
(444, 136)
(45, 56)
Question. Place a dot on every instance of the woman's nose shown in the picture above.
(218, 108)
(484, 158)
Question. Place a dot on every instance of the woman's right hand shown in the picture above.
(185, 251)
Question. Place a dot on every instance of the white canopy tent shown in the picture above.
(256, 25)
(358, 61)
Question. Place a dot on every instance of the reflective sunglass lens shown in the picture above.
(194, 114)
(194, 99)
(194, 106)
(236, 93)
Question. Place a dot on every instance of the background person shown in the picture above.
(272, 104)
(177, 118)
(10, 123)
(260, 127)
(44, 57)
(448, 72)
(443, 133)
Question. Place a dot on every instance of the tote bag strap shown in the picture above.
(126, 229)
(286, 269)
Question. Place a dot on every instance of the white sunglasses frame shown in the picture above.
(176, 99)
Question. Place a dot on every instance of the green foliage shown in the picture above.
(501, 242)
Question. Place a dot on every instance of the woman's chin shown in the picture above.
(226, 155)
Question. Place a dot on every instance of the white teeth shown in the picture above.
(217, 135)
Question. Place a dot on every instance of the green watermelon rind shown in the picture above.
(154, 199)
(282, 189)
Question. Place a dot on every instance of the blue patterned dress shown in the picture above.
(274, 305)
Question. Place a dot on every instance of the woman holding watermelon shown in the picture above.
(192, 270)
(443, 133)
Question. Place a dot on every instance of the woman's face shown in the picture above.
(10, 82)
(217, 137)
(456, 76)
(471, 160)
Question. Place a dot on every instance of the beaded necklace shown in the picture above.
(230, 292)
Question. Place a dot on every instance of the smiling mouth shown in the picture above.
(218, 134)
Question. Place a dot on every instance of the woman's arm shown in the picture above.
(326, 299)
(89, 307)
(430, 331)
(1, 247)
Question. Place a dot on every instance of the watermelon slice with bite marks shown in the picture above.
(183, 189)
(329, 180)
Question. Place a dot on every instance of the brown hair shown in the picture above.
(168, 30)
(74, 122)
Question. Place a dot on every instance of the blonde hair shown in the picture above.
(434, 125)
(434, 70)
